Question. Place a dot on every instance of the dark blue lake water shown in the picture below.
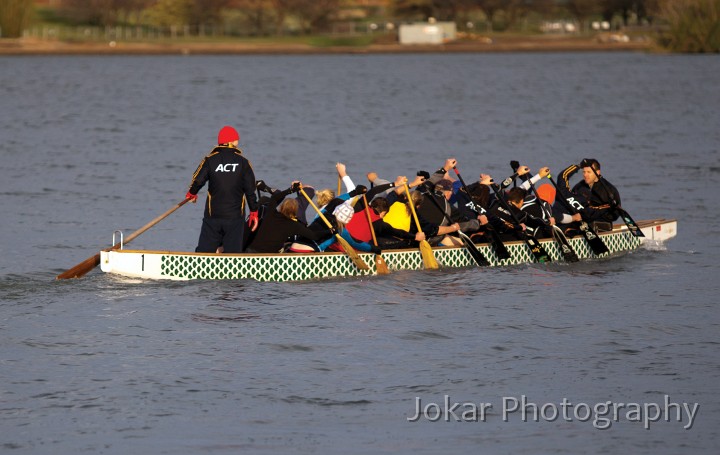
(108, 365)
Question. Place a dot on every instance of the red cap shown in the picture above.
(546, 193)
(228, 134)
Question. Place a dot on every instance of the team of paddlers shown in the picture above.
(437, 208)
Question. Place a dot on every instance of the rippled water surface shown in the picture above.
(116, 366)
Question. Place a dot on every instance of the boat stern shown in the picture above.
(138, 264)
(660, 231)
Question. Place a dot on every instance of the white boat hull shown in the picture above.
(172, 265)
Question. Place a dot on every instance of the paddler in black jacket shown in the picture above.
(231, 183)
(509, 228)
(595, 197)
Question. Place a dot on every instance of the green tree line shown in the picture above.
(689, 25)
(14, 17)
(693, 25)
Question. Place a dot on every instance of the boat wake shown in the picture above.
(654, 245)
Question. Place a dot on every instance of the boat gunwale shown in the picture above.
(617, 228)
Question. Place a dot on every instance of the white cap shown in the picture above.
(344, 213)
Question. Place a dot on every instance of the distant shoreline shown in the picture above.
(602, 43)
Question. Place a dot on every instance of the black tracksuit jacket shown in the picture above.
(230, 180)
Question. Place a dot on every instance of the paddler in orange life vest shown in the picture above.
(231, 184)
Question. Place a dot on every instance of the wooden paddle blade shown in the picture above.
(90, 263)
(425, 250)
(381, 266)
(81, 269)
(352, 254)
(359, 263)
(427, 256)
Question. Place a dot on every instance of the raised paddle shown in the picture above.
(352, 254)
(380, 265)
(90, 263)
(566, 248)
(467, 241)
(425, 249)
(629, 222)
(494, 238)
(574, 206)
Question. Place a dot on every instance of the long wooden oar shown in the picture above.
(349, 250)
(380, 265)
(90, 263)
(595, 242)
(425, 249)
(629, 222)
(339, 191)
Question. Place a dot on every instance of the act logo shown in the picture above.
(230, 167)
(575, 203)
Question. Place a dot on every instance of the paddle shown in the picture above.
(90, 263)
(535, 247)
(380, 265)
(425, 249)
(515, 165)
(469, 245)
(500, 249)
(629, 222)
(567, 250)
(574, 206)
(352, 254)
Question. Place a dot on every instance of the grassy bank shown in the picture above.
(500, 42)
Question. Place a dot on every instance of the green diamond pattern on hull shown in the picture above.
(285, 267)
(300, 267)
(619, 242)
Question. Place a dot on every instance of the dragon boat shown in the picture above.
(173, 265)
